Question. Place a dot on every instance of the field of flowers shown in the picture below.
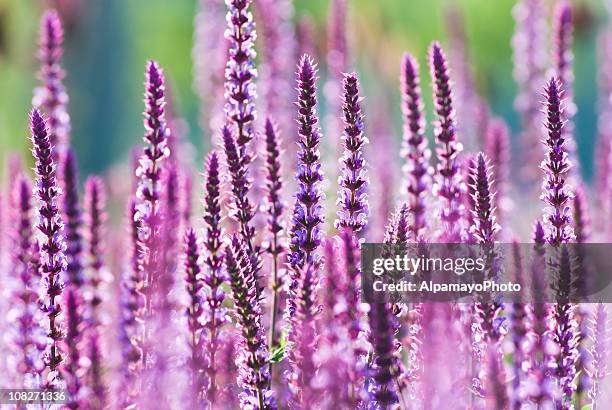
(234, 281)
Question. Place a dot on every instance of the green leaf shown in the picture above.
(277, 354)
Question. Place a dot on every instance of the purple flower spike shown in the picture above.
(156, 137)
(562, 56)
(240, 75)
(519, 328)
(195, 312)
(52, 96)
(498, 150)
(352, 202)
(149, 193)
(448, 184)
(29, 333)
(382, 334)
(485, 225)
(599, 352)
(98, 396)
(484, 230)
(275, 208)
(530, 61)
(132, 310)
(53, 263)
(556, 193)
(214, 276)
(496, 396)
(302, 338)
(564, 333)
(307, 214)
(74, 335)
(95, 202)
(254, 375)
(415, 151)
(72, 216)
(243, 210)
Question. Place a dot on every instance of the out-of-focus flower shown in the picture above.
(52, 96)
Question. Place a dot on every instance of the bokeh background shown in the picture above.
(108, 41)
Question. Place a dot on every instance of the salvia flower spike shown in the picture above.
(352, 201)
(149, 192)
(448, 184)
(383, 343)
(275, 208)
(195, 311)
(556, 165)
(599, 353)
(73, 220)
(242, 209)
(415, 150)
(28, 335)
(95, 201)
(307, 214)
(52, 96)
(530, 61)
(240, 75)
(214, 276)
(254, 375)
(53, 263)
(481, 177)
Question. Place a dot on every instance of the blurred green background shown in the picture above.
(108, 42)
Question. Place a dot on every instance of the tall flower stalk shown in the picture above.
(254, 375)
(556, 166)
(195, 312)
(382, 334)
(240, 75)
(599, 353)
(529, 43)
(95, 218)
(498, 150)
(74, 273)
(484, 230)
(214, 276)
(307, 216)
(415, 151)
(275, 208)
(53, 263)
(28, 337)
(52, 96)
(149, 193)
(519, 325)
(448, 184)
(352, 201)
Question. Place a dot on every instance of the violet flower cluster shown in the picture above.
(448, 185)
(415, 148)
(96, 307)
